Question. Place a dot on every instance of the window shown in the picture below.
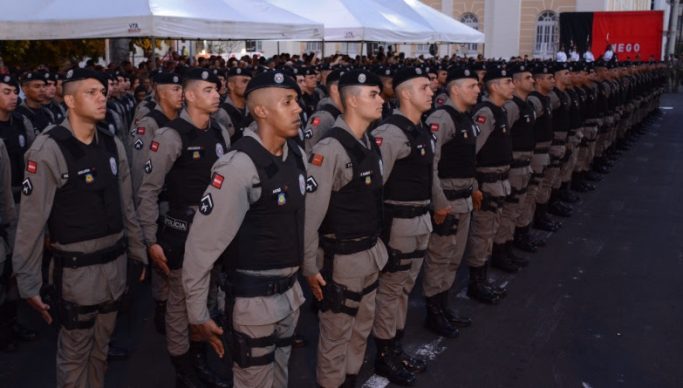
(422, 49)
(547, 35)
(253, 45)
(315, 47)
(470, 20)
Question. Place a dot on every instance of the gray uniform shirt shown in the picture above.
(142, 132)
(85, 285)
(211, 234)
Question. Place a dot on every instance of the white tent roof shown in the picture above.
(358, 20)
(446, 28)
(191, 19)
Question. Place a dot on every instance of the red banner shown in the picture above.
(634, 34)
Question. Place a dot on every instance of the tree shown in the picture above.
(59, 53)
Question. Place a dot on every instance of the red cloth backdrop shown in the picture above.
(631, 33)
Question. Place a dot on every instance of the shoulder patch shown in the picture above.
(440, 101)
(379, 141)
(26, 187)
(141, 130)
(434, 127)
(481, 119)
(32, 167)
(316, 121)
(217, 181)
(206, 204)
(316, 160)
(154, 146)
(311, 185)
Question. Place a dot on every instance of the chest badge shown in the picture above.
(368, 180)
(219, 150)
(196, 155)
(114, 167)
(281, 199)
(22, 141)
(89, 178)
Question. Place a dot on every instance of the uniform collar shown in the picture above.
(342, 124)
(249, 132)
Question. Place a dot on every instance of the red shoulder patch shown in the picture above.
(481, 119)
(154, 146)
(141, 130)
(440, 101)
(316, 160)
(32, 167)
(434, 127)
(379, 141)
(316, 121)
(217, 181)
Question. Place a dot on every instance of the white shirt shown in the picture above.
(561, 56)
(588, 56)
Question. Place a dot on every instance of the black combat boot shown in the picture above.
(20, 332)
(160, 316)
(350, 381)
(566, 194)
(478, 289)
(522, 240)
(412, 364)
(542, 221)
(557, 207)
(436, 321)
(201, 365)
(519, 261)
(388, 365)
(8, 343)
(185, 374)
(499, 291)
(451, 316)
(501, 260)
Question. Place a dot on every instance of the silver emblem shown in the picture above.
(279, 78)
(362, 78)
(112, 129)
(47, 75)
(503, 73)
(175, 79)
(6, 79)
(29, 76)
(205, 74)
(238, 71)
(418, 71)
(387, 71)
(22, 141)
(219, 150)
(467, 73)
(521, 68)
(70, 73)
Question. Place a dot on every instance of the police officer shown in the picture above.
(343, 217)
(386, 74)
(13, 131)
(77, 184)
(521, 118)
(8, 220)
(494, 156)
(308, 93)
(328, 111)
(232, 111)
(36, 117)
(454, 195)
(256, 194)
(58, 112)
(407, 153)
(169, 92)
(180, 157)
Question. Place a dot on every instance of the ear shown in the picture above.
(260, 111)
(70, 101)
(188, 95)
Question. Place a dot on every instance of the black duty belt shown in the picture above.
(559, 142)
(542, 150)
(452, 195)
(491, 177)
(405, 211)
(519, 163)
(347, 247)
(70, 259)
(249, 286)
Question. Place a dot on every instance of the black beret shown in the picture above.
(325, 66)
(478, 66)
(9, 80)
(520, 67)
(235, 71)
(334, 76)
(306, 70)
(35, 76)
(408, 73)
(541, 68)
(495, 72)
(459, 72)
(54, 76)
(431, 69)
(360, 78)
(79, 74)
(201, 74)
(383, 71)
(167, 79)
(272, 79)
(560, 66)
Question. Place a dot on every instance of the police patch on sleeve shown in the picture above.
(148, 166)
(26, 187)
(311, 185)
(302, 184)
(206, 204)
(114, 167)
(219, 150)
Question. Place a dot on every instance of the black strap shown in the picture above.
(403, 123)
(519, 163)
(248, 286)
(331, 109)
(72, 260)
(542, 150)
(405, 211)
(159, 117)
(491, 177)
(453, 195)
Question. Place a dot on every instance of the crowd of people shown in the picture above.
(228, 183)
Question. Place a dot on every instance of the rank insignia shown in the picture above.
(206, 204)
(148, 166)
(138, 144)
(26, 187)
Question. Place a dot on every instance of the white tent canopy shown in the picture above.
(360, 20)
(446, 29)
(190, 19)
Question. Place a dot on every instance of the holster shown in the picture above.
(448, 227)
(172, 234)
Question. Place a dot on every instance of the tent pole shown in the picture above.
(153, 59)
(278, 48)
(322, 42)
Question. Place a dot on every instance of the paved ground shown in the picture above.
(600, 306)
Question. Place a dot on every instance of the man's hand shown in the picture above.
(156, 254)
(209, 332)
(441, 214)
(477, 199)
(316, 282)
(37, 303)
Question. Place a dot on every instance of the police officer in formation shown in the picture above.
(382, 194)
(180, 157)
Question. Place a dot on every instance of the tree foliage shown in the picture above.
(60, 53)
